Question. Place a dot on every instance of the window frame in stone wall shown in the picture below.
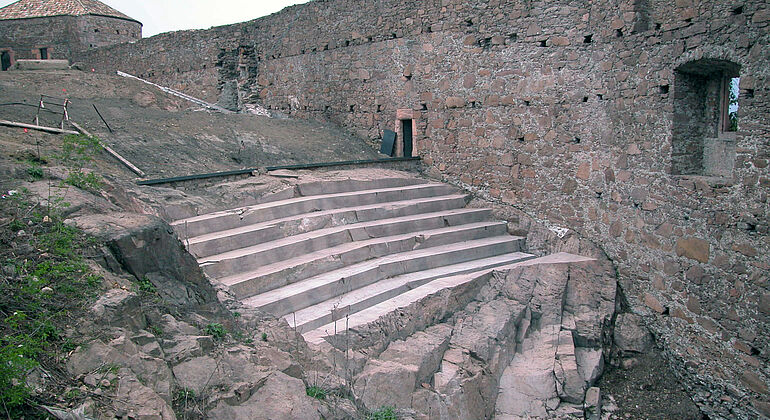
(701, 142)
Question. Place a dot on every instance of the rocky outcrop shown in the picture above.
(147, 247)
(146, 373)
(529, 346)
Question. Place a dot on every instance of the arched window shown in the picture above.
(703, 138)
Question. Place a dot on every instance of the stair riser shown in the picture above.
(312, 223)
(358, 280)
(348, 185)
(232, 220)
(332, 239)
(428, 310)
(360, 305)
(253, 261)
(399, 210)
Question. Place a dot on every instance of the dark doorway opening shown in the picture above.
(44, 53)
(6, 60)
(406, 129)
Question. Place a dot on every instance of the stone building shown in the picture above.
(56, 29)
(607, 117)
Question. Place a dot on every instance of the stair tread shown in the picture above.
(331, 276)
(330, 230)
(374, 312)
(350, 246)
(312, 312)
(279, 203)
(270, 223)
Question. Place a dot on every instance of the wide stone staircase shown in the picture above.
(433, 307)
(348, 248)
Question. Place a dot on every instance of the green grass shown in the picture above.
(88, 181)
(45, 280)
(35, 172)
(316, 392)
(77, 153)
(383, 413)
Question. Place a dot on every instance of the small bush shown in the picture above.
(383, 413)
(316, 392)
(183, 394)
(35, 172)
(88, 181)
(77, 152)
(156, 331)
(216, 330)
(146, 287)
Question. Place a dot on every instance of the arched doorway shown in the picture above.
(6, 60)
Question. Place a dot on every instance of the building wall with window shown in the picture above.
(604, 117)
(60, 37)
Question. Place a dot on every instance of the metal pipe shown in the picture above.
(274, 168)
(100, 116)
(37, 127)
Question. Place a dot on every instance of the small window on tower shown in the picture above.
(729, 108)
(44, 53)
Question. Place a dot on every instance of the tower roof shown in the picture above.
(24, 9)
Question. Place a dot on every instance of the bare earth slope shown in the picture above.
(168, 135)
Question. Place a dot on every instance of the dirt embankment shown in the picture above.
(168, 136)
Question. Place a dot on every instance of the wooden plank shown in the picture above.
(112, 152)
(388, 141)
(37, 127)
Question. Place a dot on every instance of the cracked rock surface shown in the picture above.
(529, 345)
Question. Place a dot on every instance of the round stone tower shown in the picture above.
(55, 29)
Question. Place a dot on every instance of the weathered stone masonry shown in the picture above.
(595, 115)
(64, 36)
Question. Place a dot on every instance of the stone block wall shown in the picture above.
(101, 31)
(64, 36)
(185, 60)
(566, 110)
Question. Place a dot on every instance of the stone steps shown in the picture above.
(351, 302)
(298, 295)
(304, 243)
(376, 312)
(368, 319)
(361, 248)
(443, 246)
(342, 244)
(243, 216)
(227, 240)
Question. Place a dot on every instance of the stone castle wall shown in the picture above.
(64, 36)
(598, 116)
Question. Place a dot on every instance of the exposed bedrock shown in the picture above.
(529, 345)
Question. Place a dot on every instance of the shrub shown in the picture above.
(383, 413)
(35, 172)
(216, 330)
(316, 392)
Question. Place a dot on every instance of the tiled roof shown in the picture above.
(23, 9)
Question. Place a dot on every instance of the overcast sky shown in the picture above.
(171, 15)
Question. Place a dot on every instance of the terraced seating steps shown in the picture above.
(359, 245)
